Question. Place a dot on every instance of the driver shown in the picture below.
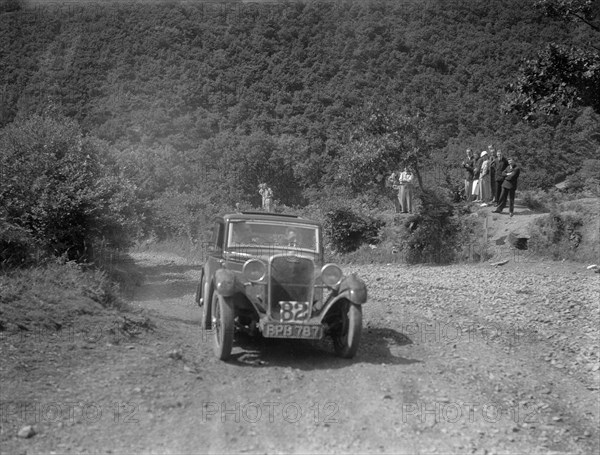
(291, 237)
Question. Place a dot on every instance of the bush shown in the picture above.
(568, 233)
(347, 230)
(55, 292)
(17, 248)
(59, 191)
(433, 234)
(537, 200)
(586, 180)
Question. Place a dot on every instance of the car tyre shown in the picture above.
(223, 325)
(199, 291)
(206, 322)
(346, 341)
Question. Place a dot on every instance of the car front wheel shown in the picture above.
(347, 339)
(223, 325)
(199, 298)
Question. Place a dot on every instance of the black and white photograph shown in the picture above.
(299, 227)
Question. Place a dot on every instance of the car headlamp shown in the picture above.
(331, 275)
(254, 270)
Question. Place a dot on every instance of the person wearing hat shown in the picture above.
(485, 189)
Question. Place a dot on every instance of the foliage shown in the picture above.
(52, 295)
(538, 201)
(570, 231)
(347, 230)
(561, 75)
(586, 180)
(557, 235)
(199, 103)
(17, 248)
(570, 10)
(558, 76)
(57, 189)
(433, 234)
(386, 141)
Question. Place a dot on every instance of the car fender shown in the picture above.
(352, 289)
(226, 283)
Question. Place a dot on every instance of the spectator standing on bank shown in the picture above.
(509, 186)
(392, 182)
(485, 190)
(476, 183)
(267, 197)
(501, 165)
(405, 192)
(469, 165)
(492, 167)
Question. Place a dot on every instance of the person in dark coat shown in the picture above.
(469, 165)
(501, 164)
(509, 186)
(492, 168)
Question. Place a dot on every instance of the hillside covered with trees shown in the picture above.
(190, 106)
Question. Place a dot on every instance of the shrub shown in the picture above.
(586, 180)
(538, 201)
(432, 234)
(58, 189)
(347, 230)
(55, 293)
(17, 248)
(568, 234)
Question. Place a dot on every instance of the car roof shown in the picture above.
(266, 216)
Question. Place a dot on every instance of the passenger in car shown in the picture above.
(242, 234)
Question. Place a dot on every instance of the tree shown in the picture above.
(561, 75)
(389, 139)
(59, 188)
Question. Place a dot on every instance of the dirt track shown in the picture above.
(457, 359)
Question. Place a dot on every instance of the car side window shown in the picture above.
(218, 235)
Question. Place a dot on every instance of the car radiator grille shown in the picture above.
(291, 279)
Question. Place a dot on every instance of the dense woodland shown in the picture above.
(185, 108)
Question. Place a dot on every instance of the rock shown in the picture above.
(26, 432)
(498, 264)
(175, 354)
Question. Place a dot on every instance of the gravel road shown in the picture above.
(453, 359)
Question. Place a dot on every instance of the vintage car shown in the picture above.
(266, 273)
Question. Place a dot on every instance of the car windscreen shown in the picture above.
(244, 234)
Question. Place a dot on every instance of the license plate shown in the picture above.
(307, 332)
(293, 311)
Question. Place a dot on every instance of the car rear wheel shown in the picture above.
(347, 339)
(223, 325)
